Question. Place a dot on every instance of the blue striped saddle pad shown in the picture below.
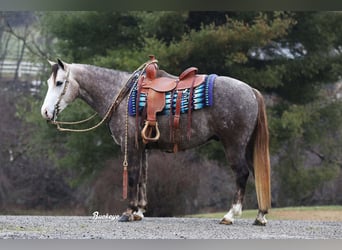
(202, 97)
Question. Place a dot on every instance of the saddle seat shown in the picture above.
(155, 88)
(186, 80)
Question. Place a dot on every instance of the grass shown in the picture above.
(327, 213)
(321, 213)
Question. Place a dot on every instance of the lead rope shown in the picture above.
(125, 161)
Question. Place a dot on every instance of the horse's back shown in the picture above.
(233, 91)
(235, 108)
(234, 99)
(231, 117)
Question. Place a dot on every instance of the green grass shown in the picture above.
(250, 214)
(246, 214)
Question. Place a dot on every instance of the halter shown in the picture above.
(56, 108)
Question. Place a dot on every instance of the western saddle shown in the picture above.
(155, 89)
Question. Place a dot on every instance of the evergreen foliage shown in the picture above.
(290, 55)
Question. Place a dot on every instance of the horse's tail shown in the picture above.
(261, 157)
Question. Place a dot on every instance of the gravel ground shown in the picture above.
(82, 227)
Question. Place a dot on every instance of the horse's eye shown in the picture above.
(59, 83)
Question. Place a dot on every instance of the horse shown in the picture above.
(237, 119)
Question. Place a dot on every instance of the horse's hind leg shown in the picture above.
(261, 218)
(240, 167)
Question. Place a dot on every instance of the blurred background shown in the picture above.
(293, 58)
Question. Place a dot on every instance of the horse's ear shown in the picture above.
(51, 62)
(61, 63)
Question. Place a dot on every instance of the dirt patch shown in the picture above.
(307, 215)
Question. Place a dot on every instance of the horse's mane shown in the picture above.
(89, 71)
(96, 69)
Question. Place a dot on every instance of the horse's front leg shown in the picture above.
(137, 193)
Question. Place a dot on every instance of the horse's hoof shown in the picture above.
(259, 223)
(224, 221)
(136, 217)
(125, 217)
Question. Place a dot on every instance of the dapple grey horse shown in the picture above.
(237, 119)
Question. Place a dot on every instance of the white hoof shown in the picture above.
(235, 211)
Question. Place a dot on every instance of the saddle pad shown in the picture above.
(202, 97)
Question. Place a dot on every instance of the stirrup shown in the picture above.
(144, 134)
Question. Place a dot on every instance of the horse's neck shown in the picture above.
(98, 86)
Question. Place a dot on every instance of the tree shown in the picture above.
(81, 35)
(314, 44)
(22, 21)
(4, 38)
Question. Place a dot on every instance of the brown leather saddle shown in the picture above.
(155, 88)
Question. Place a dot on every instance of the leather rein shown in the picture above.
(116, 102)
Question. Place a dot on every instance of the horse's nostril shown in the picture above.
(46, 114)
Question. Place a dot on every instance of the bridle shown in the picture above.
(116, 102)
(56, 108)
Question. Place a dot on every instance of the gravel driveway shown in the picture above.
(83, 227)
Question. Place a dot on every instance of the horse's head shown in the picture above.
(62, 90)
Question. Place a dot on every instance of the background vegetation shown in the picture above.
(294, 58)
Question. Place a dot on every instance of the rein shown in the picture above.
(117, 100)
